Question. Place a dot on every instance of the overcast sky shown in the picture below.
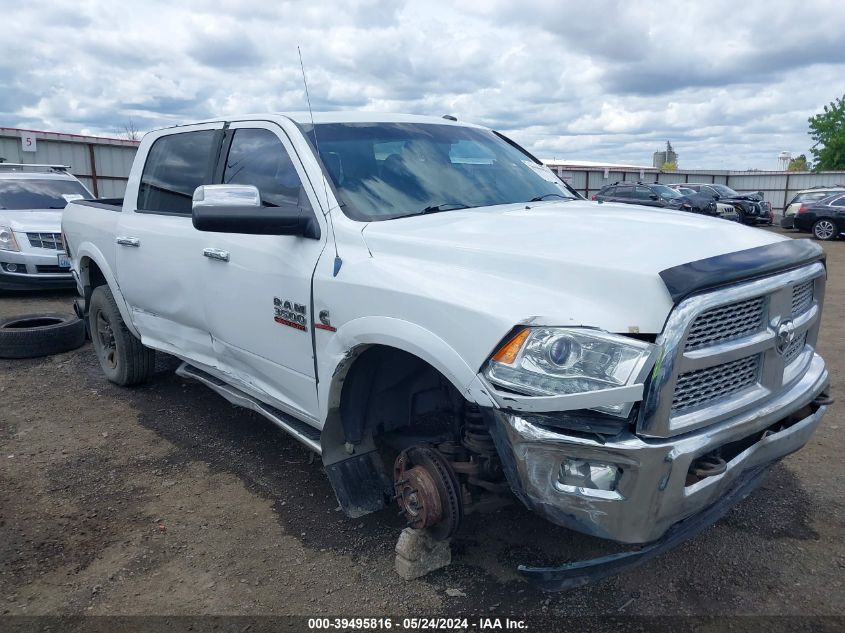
(730, 82)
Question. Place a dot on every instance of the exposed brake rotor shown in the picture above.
(427, 491)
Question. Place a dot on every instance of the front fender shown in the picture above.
(89, 251)
(358, 334)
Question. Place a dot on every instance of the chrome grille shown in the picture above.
(704, 385)
(802, 298)
(794, 348)
(52, 241)
(720, 355)
(726, 322)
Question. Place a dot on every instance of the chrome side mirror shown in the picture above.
(226, 196)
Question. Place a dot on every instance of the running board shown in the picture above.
(305, 433)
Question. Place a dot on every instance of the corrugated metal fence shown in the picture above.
(778, 187)
(102, 164)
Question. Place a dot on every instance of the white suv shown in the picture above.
(32, 199)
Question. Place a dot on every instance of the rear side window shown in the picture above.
(839, 202)
(624, 192)
(815, 195)
(257, 157)
(176, 165)
(607, 191)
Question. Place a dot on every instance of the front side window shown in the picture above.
(389, 170)
(642, 193)
(257, 157)
(176, 165)
(34, 193)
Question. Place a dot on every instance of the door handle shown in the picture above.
(216, 253)
(128, 241)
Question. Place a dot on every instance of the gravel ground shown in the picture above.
(165, 499)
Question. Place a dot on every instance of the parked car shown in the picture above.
(649, 195)
(750, 210)
(806, 196)
(765, 205)
(422, 303)
(32, 198)
(824, 218)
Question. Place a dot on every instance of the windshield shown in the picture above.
(665, 192)
(39, 194)
(725, 192)
(388, 170)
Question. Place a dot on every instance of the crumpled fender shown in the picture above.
(401, 334)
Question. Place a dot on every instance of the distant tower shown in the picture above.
(667, 156)
(783, 160)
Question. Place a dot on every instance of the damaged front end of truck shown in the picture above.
(733, 385)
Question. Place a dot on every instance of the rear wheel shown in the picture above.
(824, 229)
(125, 361)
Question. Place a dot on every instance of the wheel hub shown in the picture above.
(105, 335)
(427, 491)
(824, 229)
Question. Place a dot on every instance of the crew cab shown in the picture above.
(32, 198)
(419, 301)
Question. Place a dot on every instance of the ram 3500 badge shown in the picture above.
(630, 377)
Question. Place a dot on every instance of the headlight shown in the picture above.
(547, 361)
(7, 239)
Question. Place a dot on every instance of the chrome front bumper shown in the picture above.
(652, 492)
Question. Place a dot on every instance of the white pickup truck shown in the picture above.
(425, 305)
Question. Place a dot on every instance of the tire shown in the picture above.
(125, 361)
(824, 229)
(35, 335)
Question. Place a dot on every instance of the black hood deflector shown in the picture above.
(706, 274)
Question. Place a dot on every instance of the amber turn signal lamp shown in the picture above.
(507, 353)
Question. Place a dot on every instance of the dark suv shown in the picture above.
(650, 195)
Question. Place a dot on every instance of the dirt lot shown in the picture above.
(167, 500)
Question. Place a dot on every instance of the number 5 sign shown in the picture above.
(28, 141)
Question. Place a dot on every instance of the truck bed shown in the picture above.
(109, 204)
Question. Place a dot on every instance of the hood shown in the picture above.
(750, 197)
(23, 221)
(564, 263)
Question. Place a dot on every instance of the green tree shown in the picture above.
(827, 129)
(799, 163)
(669, 166)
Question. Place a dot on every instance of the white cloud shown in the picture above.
(729, 83)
